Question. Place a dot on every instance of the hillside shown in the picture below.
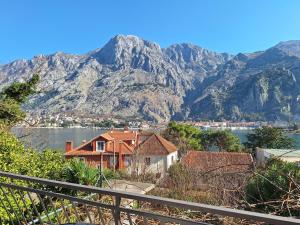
(133, 77)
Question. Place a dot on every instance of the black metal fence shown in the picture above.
(30, 200)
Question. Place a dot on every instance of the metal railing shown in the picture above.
(30, 200)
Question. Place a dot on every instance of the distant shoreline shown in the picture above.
(96, 128)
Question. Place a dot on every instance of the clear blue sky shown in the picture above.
(31, 27)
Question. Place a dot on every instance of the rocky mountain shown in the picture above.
(132, 77)
(258, 86)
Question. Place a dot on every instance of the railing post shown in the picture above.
(117, 213)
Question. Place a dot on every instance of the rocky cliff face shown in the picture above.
(133, 77)
(258, 86)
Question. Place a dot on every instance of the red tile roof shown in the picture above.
(119, 146)
(143, 135)
(122, 135)
(87, 145)
(107, 136)
(81, 153)
(231, 162)
(156, 145)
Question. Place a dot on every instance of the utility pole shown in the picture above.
(114, 156)
(101, 164)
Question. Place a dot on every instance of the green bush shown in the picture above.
(15, 158)
(275, 189)
(78, 172)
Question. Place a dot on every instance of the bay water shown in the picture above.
(55, 138)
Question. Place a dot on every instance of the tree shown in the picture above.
(269, 137)
(14, 157)
(11, 99)
(19, 92)
(10, 113)
(223, 140)
(186, 137)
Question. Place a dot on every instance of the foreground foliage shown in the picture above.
(78, 172)
(15, 158)
(275, 189)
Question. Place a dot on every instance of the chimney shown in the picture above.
(69, 146)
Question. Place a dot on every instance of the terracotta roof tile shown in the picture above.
(107, 136)
(156, 145)
(122, 135)
(218, 161)
(169, 146)
(86, 145)
(81, 152)
(125, 148)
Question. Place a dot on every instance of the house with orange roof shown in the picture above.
(112, 149)
(124, 149)
(155, 154)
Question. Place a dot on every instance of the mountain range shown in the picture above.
(132, 77)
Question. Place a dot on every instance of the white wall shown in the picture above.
(158, 163)
(171, 159)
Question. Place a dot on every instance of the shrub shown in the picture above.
(275, 189)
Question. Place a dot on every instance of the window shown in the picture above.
(100, 146)
(147, 161)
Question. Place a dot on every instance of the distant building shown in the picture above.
(287, 155)
(132, 150)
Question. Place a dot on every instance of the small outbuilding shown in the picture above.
(155, 154)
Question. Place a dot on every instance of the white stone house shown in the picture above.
(154, 155)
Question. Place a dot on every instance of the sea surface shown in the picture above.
(55, 138)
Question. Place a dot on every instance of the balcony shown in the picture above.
(30, 200)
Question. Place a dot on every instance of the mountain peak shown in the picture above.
(290, 43)
(190, 56)
(127, 38)
(121, 49)
(291, 47)
(129, 41)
